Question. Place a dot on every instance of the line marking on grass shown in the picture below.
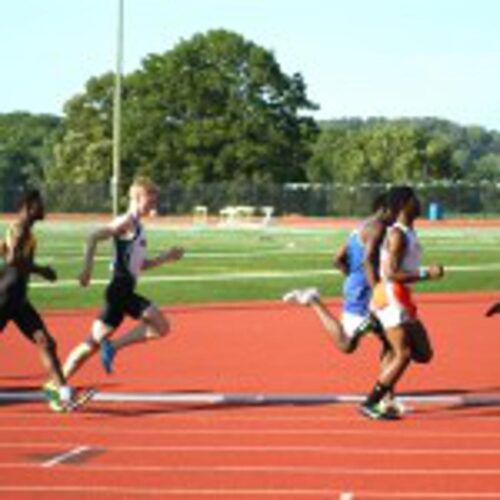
(243, 276)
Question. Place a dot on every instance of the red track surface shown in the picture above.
(274, 451)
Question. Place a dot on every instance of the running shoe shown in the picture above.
(379, 412)
(108, 354)
(80, 398)
(391, 404)
(76, 399)
(51, 392)
(302, 296)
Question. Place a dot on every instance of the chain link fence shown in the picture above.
(454, 198)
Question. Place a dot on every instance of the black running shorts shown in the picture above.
(24, 315)
(121, 300)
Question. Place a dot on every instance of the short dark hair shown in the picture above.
(379, 202)
(29, 197)
(398, 196)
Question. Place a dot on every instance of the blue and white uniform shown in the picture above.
(357, 291)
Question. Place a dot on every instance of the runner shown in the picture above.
(121, 298)
(18, 251)
(393, 304)
(358, 260)
(493, 309)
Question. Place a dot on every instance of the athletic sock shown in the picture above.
(377, 394)
(65, 393)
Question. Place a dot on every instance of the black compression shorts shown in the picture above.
(24, 315)
(121, 300)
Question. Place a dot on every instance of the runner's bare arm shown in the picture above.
(3, 249)
(118, 226)
(396, 248)
(340, 260)
(15, 243)
(373, 241)
(172, 255)
(46, 272)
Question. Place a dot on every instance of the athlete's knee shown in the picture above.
(45, 341)
(90, 344)
(98, 333)
(348, 347)
(162, 327)
(158, 325)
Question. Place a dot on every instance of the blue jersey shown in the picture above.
(357, 290)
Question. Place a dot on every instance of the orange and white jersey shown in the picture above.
(392, 301)
(413, 251)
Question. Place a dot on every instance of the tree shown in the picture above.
(215, 108)
(381, 151)
(487, 168)
(26, 152)
(83, 154)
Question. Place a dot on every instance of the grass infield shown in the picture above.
(230, 264)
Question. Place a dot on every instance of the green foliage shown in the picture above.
(248, 264)
(215, 108)
(25, 146)
(84, 152)
(412, 150)
(218, 110)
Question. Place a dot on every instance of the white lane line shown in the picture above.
(399, 434)
(264, 469)
(261, 469)
(163, 492)
(217, 493)
(210, 416)
(322, 450)
(346, 495)
(62, 457)
(257, 399)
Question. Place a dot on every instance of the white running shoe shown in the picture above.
(390, 403)
(302, 296)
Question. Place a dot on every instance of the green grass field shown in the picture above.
(248, 264)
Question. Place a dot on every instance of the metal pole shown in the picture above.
(117, 111)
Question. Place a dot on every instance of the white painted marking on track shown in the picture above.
(346, 495)
(248, 398)
(347, 431)
(58, 459)
(210, 415)
(323, 450)
(217, 493)
(265, 469)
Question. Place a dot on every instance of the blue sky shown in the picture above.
(362, 58)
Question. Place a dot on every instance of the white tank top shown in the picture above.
(130, 252)
(413, 251)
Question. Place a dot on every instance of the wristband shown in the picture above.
(423, 273)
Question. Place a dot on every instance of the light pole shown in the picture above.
(115, 181)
